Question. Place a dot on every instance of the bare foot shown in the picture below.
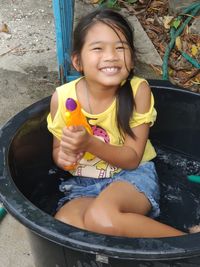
(194, 229)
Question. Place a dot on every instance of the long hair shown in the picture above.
(125, 99)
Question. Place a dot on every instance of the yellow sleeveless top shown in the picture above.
(104, 127)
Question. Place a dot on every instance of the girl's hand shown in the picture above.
(75, 140)
(68, 159)
(64, 154)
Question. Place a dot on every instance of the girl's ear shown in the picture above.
(76, 62)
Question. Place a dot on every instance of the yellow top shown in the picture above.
(103, 126)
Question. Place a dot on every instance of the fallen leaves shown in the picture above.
(181, 71)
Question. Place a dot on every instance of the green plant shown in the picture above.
(110, 3)
(116, 4)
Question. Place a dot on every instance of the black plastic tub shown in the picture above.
(29, 189)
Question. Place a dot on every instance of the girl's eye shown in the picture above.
(120, 48)
(96, 48)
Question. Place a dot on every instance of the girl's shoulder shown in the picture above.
(68, 89)
(135, 83)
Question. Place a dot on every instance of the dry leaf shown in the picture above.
(4, 28)
(194, 50)
(166, 21)
(186, 29)
(171, 71)
(178, 43)
(197, 79)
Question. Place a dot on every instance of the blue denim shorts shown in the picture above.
(144, 178)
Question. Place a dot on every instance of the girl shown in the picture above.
(113, 190)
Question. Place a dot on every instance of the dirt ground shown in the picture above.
(28, 72)
(28, 69)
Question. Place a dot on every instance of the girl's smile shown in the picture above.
(110, 70)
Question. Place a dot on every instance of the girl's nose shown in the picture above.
(110, 54)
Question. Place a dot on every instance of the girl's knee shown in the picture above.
(100, 219)
(60, 216)
(69, 218)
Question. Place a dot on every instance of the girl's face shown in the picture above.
(105, 58)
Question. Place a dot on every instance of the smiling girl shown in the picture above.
(115, 191)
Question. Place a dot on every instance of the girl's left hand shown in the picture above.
(76, 139)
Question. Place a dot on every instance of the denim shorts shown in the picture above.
(144, 179)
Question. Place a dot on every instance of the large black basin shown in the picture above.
(29, 189)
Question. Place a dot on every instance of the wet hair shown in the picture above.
(113, 19)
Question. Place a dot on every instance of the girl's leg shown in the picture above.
(120, 210)
(73, 211)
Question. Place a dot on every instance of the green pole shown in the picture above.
(2, 212)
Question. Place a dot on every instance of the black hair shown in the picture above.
(113, 19)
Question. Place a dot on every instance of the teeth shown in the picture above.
(110, 69)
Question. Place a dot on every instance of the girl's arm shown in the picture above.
(130, 154)
(127, 156)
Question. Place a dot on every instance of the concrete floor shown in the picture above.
(28, 72)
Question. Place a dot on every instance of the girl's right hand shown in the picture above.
(62, 155)
(65, 159)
